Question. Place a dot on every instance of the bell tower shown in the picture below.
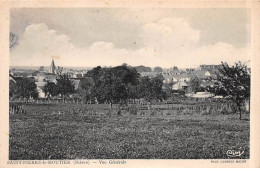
(53, 67)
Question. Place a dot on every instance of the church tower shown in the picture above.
(53, 67)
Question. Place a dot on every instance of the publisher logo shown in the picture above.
(234, 153)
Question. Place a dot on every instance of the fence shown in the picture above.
(192, 108)
(17, 109)
(46, 101)
(213, 108)
(187, 101)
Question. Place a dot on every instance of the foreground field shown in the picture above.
(62, 132)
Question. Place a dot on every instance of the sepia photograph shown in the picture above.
(129, 83)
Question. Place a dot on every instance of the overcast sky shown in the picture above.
(112, 36)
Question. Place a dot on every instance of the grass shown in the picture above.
(95, 132)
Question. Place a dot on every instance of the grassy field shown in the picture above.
(95, 132)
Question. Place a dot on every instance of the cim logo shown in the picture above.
(234, 153)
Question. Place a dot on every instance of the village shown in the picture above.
(177, 79)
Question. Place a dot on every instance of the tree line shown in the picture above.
(107, 84)
(24, 87)
(117, 84)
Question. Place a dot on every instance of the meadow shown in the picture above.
(94, 131)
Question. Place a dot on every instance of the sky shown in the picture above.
(88, 37)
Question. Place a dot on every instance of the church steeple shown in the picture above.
(53, 67)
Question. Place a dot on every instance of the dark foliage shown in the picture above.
(51, 89)
(65, 86)
(23, 88)
(114, 84)
(41, 68)
(233, 82)
(142, 68)
(151, 88)
(195, 83)
(157, 69)
(123, 82)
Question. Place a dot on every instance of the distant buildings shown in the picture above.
(190, 69)
(41, 77)
(208, 67)
(180, 78)
(180, 85)
(149, 74)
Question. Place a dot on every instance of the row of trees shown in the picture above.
(142, 68)
(112, 85)
(23, 88)
(26, 88)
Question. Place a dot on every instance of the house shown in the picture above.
(41, 93)
(180, 86)
(167, 77)
(184, 77)
(167, 80)
(77, 75)
(190, 69)
(207, 74)
(39, 88)
(201, 74)
(44, 77)
(208, 67)
(149, 74)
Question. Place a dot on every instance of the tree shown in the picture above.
(195, 83)
(65, 86)
(11, 88)
(142, 68)
(117, 84)
(175, 68)
(13, 40)
(95, 73)
(86, 88)
(24, 88)
(233, 82)
(157, 91)
(151, 88)
(144, 88)
(157, 69)
(51, 89)
(41, 68)
(114, 84)
(168, 89)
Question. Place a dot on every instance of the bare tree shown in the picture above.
(13, 40)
